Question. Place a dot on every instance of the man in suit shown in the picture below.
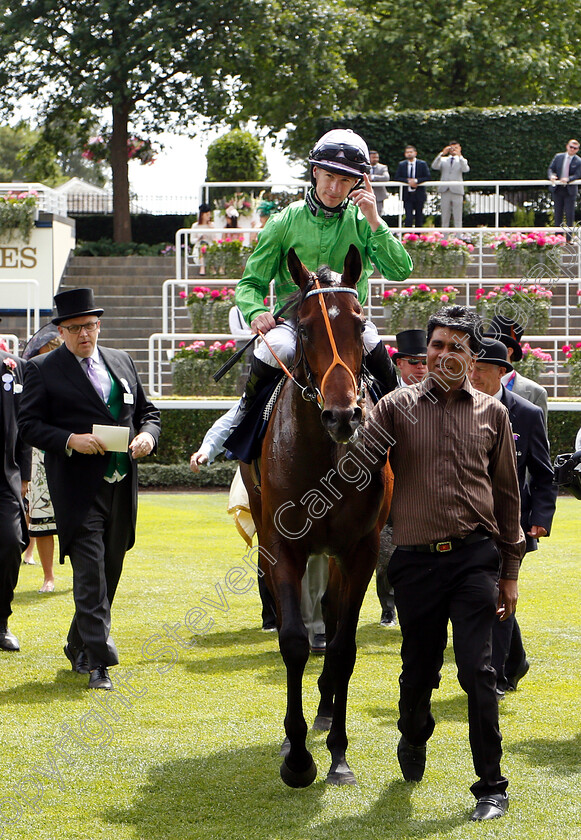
(537, 494)
(563, 169)
(510, 333)
(94, 491)
(379, 172)
(16, 460)
(413, 173)
(451, 165)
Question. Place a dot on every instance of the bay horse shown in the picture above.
(316, 498)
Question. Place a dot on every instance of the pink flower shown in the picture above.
(200, 295)
(444, 298)
(183, 294)
(215, 293)
(10, 363)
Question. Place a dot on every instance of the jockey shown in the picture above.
(339, 211)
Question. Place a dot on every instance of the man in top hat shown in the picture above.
(93, 490)
(14, 476)
(510, 333)
(410, 358)
(410, 363)
(537, 493)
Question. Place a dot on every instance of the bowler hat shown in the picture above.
(410, 343)
(509, 332)
(74, 303)
(494, 353)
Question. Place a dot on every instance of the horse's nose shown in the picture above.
(341, 423)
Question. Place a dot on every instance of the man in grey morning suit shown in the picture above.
(451, 165)
(563, 169)
(94, 491)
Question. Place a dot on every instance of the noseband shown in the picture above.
(314, 393)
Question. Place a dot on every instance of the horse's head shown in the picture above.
(330, 323)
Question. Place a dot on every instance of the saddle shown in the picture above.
(245, 442)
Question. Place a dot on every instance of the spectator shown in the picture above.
(379, 173)
(93, 487)
(563, 170)
(537, 495)
(510, 333)
(200, 236)
(451, 165)
(413, 173)
(13, 485)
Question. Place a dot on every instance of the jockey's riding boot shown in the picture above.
(260, 374)
(380, 366)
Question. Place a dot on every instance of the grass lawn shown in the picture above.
(188, 747)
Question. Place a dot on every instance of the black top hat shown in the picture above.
(509, 332)
(74, 303)
(410, 343)
(494, 353)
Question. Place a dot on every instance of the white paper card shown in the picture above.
(115, 438)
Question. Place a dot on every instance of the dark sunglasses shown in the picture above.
(415, 362)
(351, 153)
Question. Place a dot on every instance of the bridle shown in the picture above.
(312, 392)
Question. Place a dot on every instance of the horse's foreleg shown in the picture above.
(341, 654)
(326, 681)
(298, 768)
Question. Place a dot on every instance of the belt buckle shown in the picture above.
(443, 546)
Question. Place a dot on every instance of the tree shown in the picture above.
(426, 54)
(236, 156)
(160, 63)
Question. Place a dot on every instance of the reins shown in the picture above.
(314, 393)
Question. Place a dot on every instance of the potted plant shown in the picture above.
(17, 214)
(410, 308)
(573, 362)
(195, 364)
(436, 255)
(226, 257)
(533, 363)
(209, 309)
(517, 254)
(529, 305)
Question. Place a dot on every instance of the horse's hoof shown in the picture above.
(298, 780)
(322, 723)
(285, 747)
(341, 777)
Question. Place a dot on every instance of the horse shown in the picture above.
(316, 497)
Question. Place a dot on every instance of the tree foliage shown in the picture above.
(236, 156)
(427, 54)
(161, 63)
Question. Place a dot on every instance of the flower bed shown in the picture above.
(226, 257)
(209, 309)
(436, 255)
(573, 362)
(528, 305)
(17, 212)
(195, 364)
(411, 307)
(517, 254)
(533, 363)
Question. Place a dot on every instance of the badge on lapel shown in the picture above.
(127, 395)
(8, 377)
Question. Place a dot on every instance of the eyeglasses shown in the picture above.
(415, 362)
(351, 153)
(75, 329)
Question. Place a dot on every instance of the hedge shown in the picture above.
(219, 474)
(500, 143)
(184, 429)
(145, 227)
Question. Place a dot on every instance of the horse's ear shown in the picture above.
(299, 272)
(352, 266)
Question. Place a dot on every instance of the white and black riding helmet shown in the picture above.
(567, 469)
(341, 151)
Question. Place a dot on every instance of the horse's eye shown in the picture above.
(302, 331)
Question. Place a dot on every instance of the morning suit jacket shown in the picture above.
(451, 172)
(59, 400)
(531, 391)
(16, 455)
(422, 174)
(533, 464)
(379, 172)
(556, 167)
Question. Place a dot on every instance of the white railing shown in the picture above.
(48, 199)
(31, 305)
